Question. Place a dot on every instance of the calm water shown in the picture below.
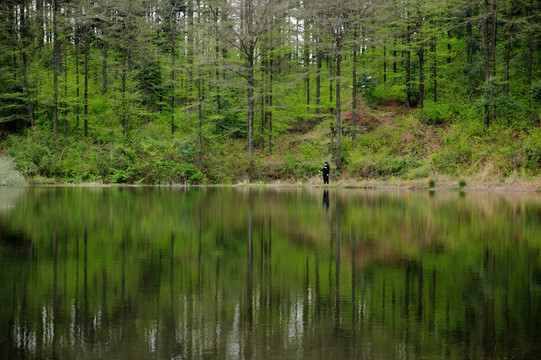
(215, 273)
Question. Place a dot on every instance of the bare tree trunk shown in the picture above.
(384, 64)
(13, 29)
(508, 46)
(65, 90)
(251, 105)
(435, 69)
(493, 48)
(408, 66)
(354, 89)
(85, 125)
(486, 44)
(449, 36)
(104, 66)
(530, 52)
(338, 114)
(394, 55)
(200, 122)
(269, 118)
(56, 60)
(421, 55)
(77, 43)
(172, 20)
(469, 37)
(319, 60)
(26, 87)
(39, 20)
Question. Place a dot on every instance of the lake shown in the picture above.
(268, 273)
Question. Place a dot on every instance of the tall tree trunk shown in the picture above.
(421, 55)
(508, 45)
(27, 87)
(65, 102)
(493, 47)
(39, 20)
(263, 110)
(338, 114)
(331, 73)
(269, 116)
(384, 64)
(449, 37)
(200, 121)
(394, 55)
(435, 68)
(251, 102)
(172, 75)
(469, 35)
(104, 66)
(77, 45)
(87, 49)
(13, 32)
(319, 61)
(56, 60)
(531, 51)
(354, 88)
(408, 64)
(486, 50)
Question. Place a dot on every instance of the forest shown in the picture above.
(229, 91)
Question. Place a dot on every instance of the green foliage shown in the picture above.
(34, 154)
(13, 109)
(440, 112)
(8, 174)
(431, 183)
(300, 167)
(396, 166)
(366, 84)
(150, 83)
(494, 96)
(230, 123)
(532, 150)
(535, 93)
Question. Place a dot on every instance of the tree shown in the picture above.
(257, 18)
(336, 26)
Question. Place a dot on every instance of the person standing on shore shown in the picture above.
(326, 170)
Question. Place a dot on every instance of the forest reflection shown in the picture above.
(246, 273)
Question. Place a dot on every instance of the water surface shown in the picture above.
(216, 273)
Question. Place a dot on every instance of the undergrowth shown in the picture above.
(417, 146)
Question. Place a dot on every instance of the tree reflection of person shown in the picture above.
(326, 170)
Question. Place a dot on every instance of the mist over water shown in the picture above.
(265, 273)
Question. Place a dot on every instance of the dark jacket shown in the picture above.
(326, 169)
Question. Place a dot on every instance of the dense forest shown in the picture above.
(222, 91)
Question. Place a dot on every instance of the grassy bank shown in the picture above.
(391, 147)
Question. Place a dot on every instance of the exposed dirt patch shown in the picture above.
(371, 116)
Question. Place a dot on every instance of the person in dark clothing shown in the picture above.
(326, 170)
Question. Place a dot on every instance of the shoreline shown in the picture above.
(532, 186)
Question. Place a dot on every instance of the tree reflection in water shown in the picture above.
(269, 273)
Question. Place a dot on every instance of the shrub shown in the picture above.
(397, 165)
(437, 113)
(8, 174)
(366, 85)
(33, 153)
(535, 93)
(299, 167)
(532, 150)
